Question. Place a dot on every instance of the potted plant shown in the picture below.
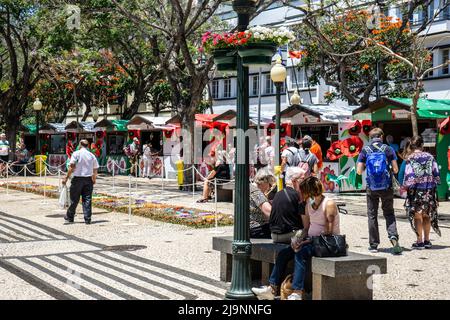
(222, 48)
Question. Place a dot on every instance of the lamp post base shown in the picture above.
(241, 279)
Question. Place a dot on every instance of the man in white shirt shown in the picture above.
(84, 167)
(4, 153)
(134, 156)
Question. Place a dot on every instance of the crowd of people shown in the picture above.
(301, 210)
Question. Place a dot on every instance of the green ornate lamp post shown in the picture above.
(241, 247)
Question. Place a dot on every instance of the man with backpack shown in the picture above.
(380, 161)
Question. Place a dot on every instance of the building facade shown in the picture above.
(223, 86)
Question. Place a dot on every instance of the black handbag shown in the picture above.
(329, 246)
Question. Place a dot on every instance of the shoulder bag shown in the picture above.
(329, 246)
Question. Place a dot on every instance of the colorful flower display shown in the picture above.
(257, 34)
(328, 184)
(366, 126)
(355, 129)
(352, 146)
(335, 151)
(154, 210)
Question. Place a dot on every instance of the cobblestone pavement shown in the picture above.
(43, 258)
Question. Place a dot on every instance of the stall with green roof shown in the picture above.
(393, 115)
(111, 137)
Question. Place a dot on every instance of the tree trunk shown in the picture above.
(415, 100)
(128, 113)
(11, 129)
(188, 124)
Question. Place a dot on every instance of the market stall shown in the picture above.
(77, 131)
(394, 117)
(322, 123)
(154, 131)
(112, 136)
(53, 145)
(266, 124)
(212, 134)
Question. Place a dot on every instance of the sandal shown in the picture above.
(202, 200)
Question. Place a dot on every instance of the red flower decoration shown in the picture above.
(69, 149)
(71, 136)
(100, 134)
(133, 134)
(168, 133)
(366, 126)
(355, 129)
(335, 152)
(270, 127)
(444, 128)
(324, 177)
(352, 146)
(44, 149)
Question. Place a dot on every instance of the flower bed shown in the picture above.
(154, 210)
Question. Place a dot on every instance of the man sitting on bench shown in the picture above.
(221, 172)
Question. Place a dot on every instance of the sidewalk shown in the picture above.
(174, 257)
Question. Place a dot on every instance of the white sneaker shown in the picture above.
(264, 293)
(295, 296)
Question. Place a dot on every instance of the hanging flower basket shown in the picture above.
(255, 46)
(257, 54)
(224, 59)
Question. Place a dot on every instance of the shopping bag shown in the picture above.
(64, 197)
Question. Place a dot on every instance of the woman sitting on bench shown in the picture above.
(260, 206)
(321, 217)
(221, 172)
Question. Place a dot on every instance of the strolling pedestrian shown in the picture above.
(260, 206)
(380, 161)
(133, 151)
(307, 160)
(83, 166)
(421, 179)
(4, 154)
(285, 218)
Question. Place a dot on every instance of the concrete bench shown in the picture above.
(225, 192)
(328, 278)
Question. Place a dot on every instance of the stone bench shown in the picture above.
(225, 192)
(346, 277)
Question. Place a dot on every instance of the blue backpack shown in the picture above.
(378, 174)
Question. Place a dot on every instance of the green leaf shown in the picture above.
(344, 133)
(343, 161)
